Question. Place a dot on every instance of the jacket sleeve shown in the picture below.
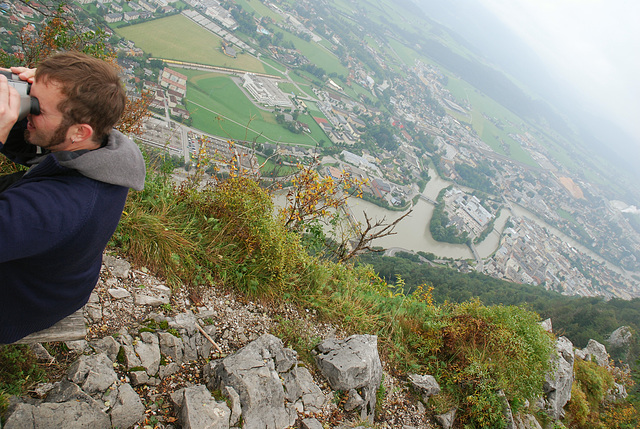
(39, 216)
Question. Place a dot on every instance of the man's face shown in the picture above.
(48, 129)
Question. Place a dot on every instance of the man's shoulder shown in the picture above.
(119, 162)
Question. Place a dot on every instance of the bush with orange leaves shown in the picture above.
(313, 197)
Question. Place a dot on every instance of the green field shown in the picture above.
(288, 88)
(279, 68)
(258, 9)
(314, 52)
(219, 107)
(483, 108)
(167, 38)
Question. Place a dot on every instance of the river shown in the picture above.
(413, 233)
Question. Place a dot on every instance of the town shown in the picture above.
(551, 226)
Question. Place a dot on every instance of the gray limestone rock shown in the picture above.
(200, 410)
(119, 293)
(118, 267)
(167, 370)
(354, 401)
(107, 345)
(77, 346)
(190, 347)
(185, 322)
(311, 423)
(95, 373)
(139, 378)
(446, 420)
(508, 414)
(171, 346)
(153, 301)
(177, 397)
(526, 421)
(127, 409)
(617, 392)
(148, 350)
(64, 391)
(596, 352)
(94, 312)
(620, 337)
(41, 353)
(425, 384)
(131, 359)
(252, 372)
(353, 363)
(547, 325)
(51, 415)
(557, 386)
(43, 389)
(236, 408)
(299, 384)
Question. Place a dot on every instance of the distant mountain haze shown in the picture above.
(603, 123)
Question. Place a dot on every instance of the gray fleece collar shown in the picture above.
(119, 162)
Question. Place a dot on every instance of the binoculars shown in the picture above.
(28, 104)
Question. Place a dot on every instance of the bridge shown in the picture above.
(427, 199)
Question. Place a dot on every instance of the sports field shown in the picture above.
(219, 107)
(168, 38)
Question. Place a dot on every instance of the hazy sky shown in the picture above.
(591, 44)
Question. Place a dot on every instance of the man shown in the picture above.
(56, 219)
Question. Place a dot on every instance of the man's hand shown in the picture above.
(24, 73)
(9, 107)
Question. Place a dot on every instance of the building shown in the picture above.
(265, 91)
(173, 81)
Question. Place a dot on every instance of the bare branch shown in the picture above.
(367, 235)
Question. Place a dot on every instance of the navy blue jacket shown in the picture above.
(54, 225)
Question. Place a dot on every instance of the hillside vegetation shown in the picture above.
(227, 236)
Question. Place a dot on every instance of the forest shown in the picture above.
(577, 318)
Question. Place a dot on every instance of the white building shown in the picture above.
(265, 91)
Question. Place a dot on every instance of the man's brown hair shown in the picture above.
(93, 91)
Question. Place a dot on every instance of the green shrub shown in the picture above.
(590, 386)
(18, 369)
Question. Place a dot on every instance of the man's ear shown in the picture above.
(81, 133)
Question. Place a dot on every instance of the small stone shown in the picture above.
(41, 353)
(354, 401)
(138, 377)
(119, 293)
(141, 299)
(311, 423)
(167, 370)
(94, 311)
(77, 346)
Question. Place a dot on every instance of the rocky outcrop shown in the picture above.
(353, 365)
(621, 337)
(254, 374)
(263, 383)
(595, 352)
(90, 395)
(557, 386)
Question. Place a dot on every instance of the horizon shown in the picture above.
(584, 47)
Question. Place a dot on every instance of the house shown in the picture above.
(113, 17)
(173, 80)
(131, 16)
